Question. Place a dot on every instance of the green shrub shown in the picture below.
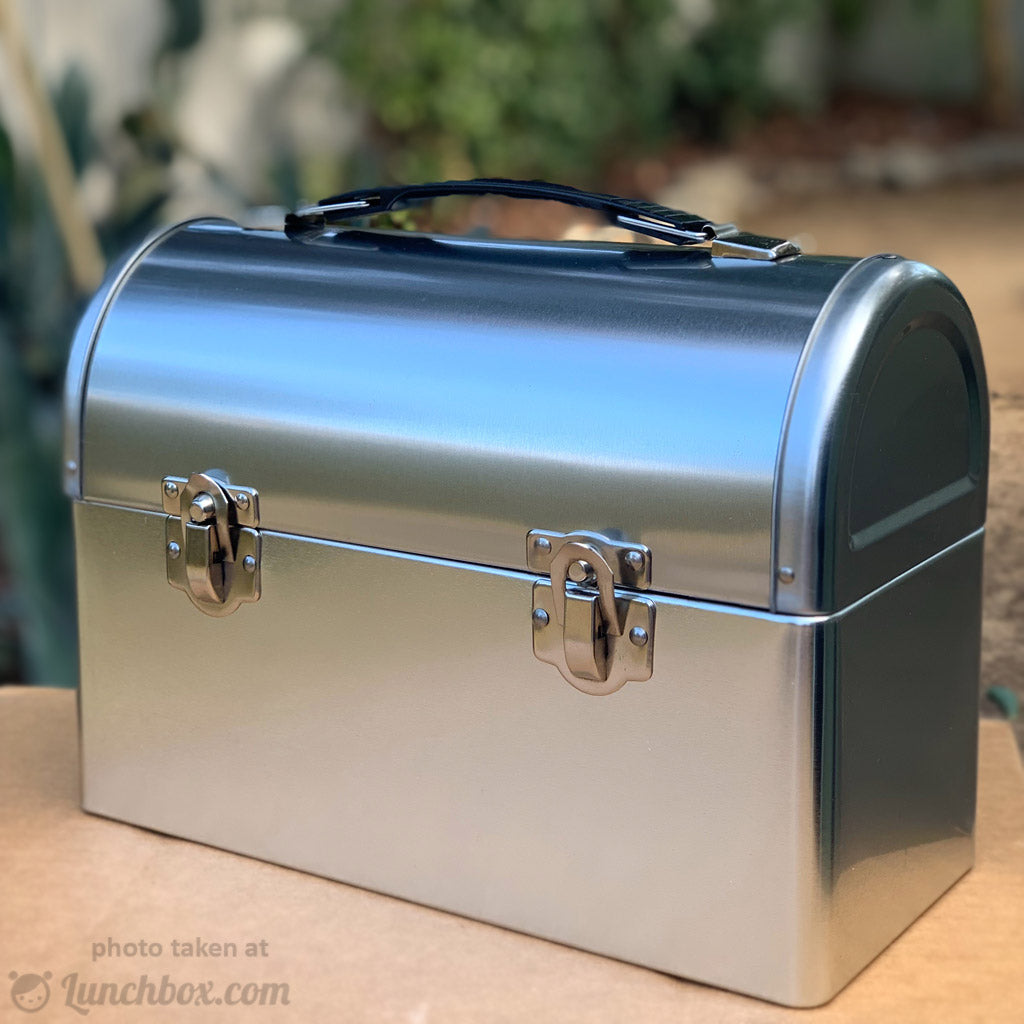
(544, 88)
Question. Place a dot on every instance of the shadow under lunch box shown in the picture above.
(625, 595)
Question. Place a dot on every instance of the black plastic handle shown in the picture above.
(634, 214)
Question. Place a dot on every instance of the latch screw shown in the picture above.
(202, 508)
(635, 560)
(174, 549)
(540, 618)
(242, 500)
(638, 636)
(249, 563)
(581, 572)
(171, 489)
(542, 544)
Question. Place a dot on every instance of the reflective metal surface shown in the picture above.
(445, 397)
(765, 813)
(80, 356)
(898, 720)
(883, 459)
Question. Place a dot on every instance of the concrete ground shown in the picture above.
(975, 235)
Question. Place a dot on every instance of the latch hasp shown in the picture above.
(597, 638)
(212, 546)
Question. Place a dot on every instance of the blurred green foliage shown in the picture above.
(38, 312)
(457, 88)
(849, 16)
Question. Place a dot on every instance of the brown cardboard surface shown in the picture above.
(70, 880)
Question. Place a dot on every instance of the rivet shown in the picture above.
(171, 489)
(242, 500)
(638, 636)
(785, 574)
(542, 544)
(174, 549)
(71, 466)
(540, 618)
(635, 560)
(581, 571)
(249, 563)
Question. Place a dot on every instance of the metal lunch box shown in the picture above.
(626, 595)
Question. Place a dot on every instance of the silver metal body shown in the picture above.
(782, 465)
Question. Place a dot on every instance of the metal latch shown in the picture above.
(212, 544)
(597, 638)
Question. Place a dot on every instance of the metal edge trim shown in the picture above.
(820, 348)
(83, 345)
(787, 416)
(861, 296)
(744, 611)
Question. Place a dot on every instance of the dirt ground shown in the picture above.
(975, 235)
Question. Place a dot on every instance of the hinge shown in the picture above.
(212, 544)
(597, 637)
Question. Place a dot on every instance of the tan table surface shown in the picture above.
(70, 880)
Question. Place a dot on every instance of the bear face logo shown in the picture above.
(30, 992)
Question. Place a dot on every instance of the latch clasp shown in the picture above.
(212, 544)
(597, 638)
